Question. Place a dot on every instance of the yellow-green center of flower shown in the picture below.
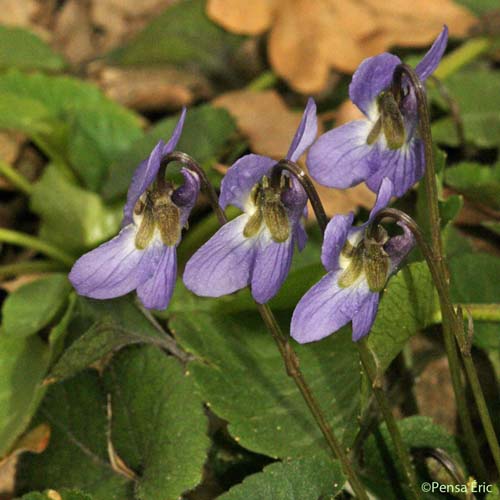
(367, 258)
(269, 210)
(156, 211)
(390, 122)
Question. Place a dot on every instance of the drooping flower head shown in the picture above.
(142, 256)
(256, 248)
(359, 261)
(384, 144)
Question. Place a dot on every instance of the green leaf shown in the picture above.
(479, 6)
(182, 35)
(478, 108)
(72, 218)
(242, 377)
(23, 362)
(96, 137)
(77, 122)
(24, 50)
(159, 426)
(492, 226)
(77, 455)
(471, 282)
(206, 131)
(109, 333)
(34, 305)
(407, 306)
(307, 478)
(64, 494)
(477, 182)
(417, 432)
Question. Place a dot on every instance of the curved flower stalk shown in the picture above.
(256, 248)
(142, 256)
(384, 144)
(359, 261)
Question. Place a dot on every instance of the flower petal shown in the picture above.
(334, 240)
(241, 178)
(430, 61)
(372, 77)
(306, 133)
(186, 195)
(224, 263)
(301, 236)
(272, 264)
(157, 291)
(146, 172)
(384, 195)
(325, 308)
(404, 167)
(398, 247)
(363, 320)
(342, 158)
(114, 268)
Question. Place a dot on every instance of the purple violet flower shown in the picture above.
(142, 256)
(256, 248)
(358, 267)
(386, 143)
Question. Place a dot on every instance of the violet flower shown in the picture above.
(142, 256)
(358, 265)
(384, 144)
(256, 248)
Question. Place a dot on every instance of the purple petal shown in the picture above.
(398, 247)
(306, 133)
(334, 240)
(301, 236)
(384, 195)
(341, 158)
(430, 61)
(363, 320)
(146, 172)
(372, 77)
(404, 167)
(186, 195)
(176, 134)
(224, 263)
(325, 308)
(157, 291)
(241, 178)
(272, 264)
(114, 268)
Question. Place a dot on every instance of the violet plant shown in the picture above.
(147, 431)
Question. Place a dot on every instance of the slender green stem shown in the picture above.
(264, 81)
(478, 312)
(15, 178)
(286, 351)
(24, 240)
(30, 267)
(383, 403)
(293, 370)
(462, 56)
(439, 270)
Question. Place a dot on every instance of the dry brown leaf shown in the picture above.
(269, 126)
(15, 283)
(34, 441)
(309, 38)
(147, 89)
(74, 34)
(244, 18)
